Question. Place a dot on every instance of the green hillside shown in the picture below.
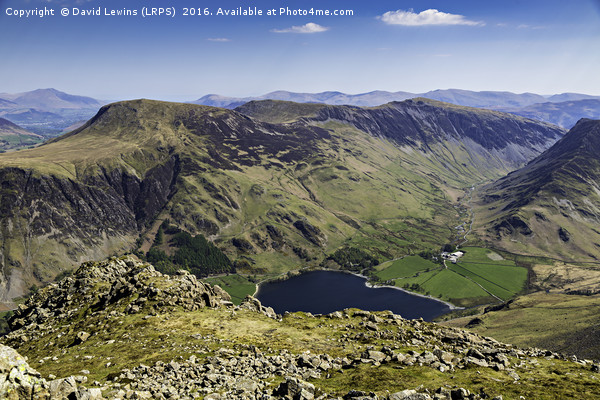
(551, 207)
(272, 197)
(13, 137)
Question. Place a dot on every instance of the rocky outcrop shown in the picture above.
(18, 381)
(253, 304)
(310, 232)
(74, 321)
(512, 225)
(97, 285)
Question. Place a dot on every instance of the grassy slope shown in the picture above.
(557, 190)
(108, 141)
(236, 285)
(329, 187)
(560, 322)
(584, 233)
(358, 190)
(131, 340)
(336, 181)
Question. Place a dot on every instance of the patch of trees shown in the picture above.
(193, 253)
(415, 287)
(353, 259)
(431, 256)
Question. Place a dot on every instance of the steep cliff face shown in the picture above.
(70, 220)
(552, 205)
(422, 120)
(468, 141)
(425, 124)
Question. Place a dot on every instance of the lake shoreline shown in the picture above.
(377, 286)
(367, 284)
(363, 281)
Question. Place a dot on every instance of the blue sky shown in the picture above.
(536, 46)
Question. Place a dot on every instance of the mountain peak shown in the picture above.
(50, 99)
(556, 193)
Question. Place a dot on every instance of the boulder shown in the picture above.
(409, 395)
(253, 304)
(81, 337)
(295, 389)
(63, 388)
(17, 379)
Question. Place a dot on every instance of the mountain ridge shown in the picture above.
(49, 99)
(271, 195)
(481, 99)
(397, 121)
(551, 204)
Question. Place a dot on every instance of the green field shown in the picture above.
(479, 276)
(236, 285)
(500, 277)
(405, 267)
(447, 285)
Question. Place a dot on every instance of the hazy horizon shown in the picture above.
(542, 47)
(182, 99)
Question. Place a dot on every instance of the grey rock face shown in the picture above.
(18, 381)
(121, 278)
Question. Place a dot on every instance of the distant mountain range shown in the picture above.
(375, 98)
(47, 111)
(561, 109)
(49, 100)
(484, 99)
(564, 114)
(50, 112)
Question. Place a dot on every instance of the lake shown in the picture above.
(322, 292)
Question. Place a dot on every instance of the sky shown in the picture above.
(545, 47)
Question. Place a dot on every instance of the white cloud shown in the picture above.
(311, 27)
(427, 17)
(525, 26)
(218, 40)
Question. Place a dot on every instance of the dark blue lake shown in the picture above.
(322, 292)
